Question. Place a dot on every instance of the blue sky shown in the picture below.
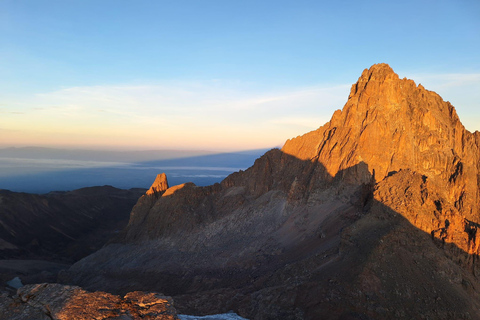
(217, 74)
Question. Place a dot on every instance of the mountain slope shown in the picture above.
(62, 226)
(373, 215)
(392, 124)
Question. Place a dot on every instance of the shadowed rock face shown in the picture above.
(62, 226)
(373, 215)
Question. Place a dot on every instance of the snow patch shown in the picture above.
(15, 283)
(223, 316)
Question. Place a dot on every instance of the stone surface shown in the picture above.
(159, 185)
(372, 216)
(55, 301)
(392, 124)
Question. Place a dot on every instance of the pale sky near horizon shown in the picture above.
(216, 74)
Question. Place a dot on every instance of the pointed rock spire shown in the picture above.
(159, 185)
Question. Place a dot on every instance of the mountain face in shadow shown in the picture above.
(62, 226)
(372, 216)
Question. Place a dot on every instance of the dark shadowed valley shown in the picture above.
(43, 234)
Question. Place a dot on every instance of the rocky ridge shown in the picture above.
(373, 215)
(392, 125)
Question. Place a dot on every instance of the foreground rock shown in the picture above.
(372, 216)
(54, 301)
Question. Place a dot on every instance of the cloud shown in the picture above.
(462, 90)
(183, 114)
(202, 114)
(209, 97)
(448, 80)
(306, 123)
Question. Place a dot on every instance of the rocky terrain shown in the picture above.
(62, 226)
(55, 301)
(372, 216)
(43, 234)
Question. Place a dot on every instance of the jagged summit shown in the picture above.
(378, 72)
(159, 185)
(392, 124)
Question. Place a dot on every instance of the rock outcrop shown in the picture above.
(159, 185)
(373, 215)
(55, 301)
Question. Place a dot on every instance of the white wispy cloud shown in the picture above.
(206, 114)
(447, 80)
(461, 89)
(305, 123)
(156, 99)
(199, 113)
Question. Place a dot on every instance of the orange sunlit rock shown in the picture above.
(159, 185)
(56, 301)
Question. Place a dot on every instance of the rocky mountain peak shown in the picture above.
(159, 185)
(391, 124)
(378, 73)
(379, 87)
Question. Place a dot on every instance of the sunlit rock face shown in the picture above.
(373, 215)
(55, 301)
(393, 124)
(159, 185)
